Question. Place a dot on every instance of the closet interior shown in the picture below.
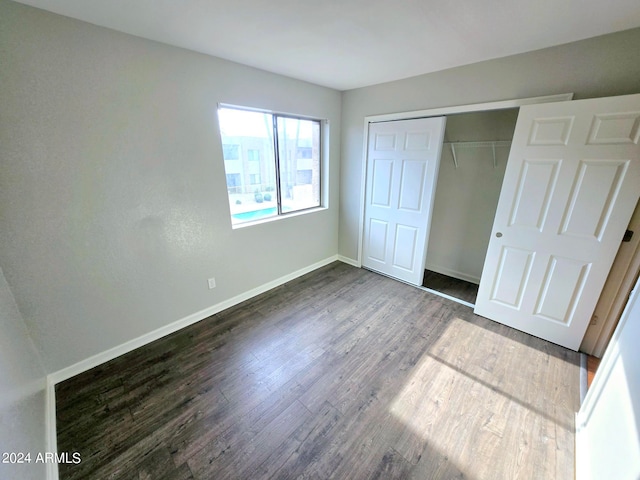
(472, 166)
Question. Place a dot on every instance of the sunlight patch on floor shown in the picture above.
(465, 401)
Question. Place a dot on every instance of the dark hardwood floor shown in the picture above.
(341, 374)
(453, 287)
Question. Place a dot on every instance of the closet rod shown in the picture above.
(492, 144)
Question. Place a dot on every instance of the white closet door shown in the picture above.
(571, 184)
(402, 169)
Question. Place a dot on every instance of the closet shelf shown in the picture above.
(492, 144)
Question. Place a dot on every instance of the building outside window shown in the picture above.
(279, 167)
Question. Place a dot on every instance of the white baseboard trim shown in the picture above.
(100, 358)
(581, 461)
(107, 355)
(583, 377)
(453, 273)
(349, 261)
(50, 428)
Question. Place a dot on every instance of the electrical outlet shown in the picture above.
(212, 283)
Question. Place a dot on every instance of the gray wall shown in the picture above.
(602, 66)
(467, 196)
(22, 384)
(114, 203)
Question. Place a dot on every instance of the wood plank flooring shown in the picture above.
(340, 374)
(453, 287)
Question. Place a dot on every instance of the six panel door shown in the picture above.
(571, 184)
(402, 169)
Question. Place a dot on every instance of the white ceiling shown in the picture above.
(346, 44)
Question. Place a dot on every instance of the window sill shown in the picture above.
(278, 217)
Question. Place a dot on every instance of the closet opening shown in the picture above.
(480, 132)
(472, 166)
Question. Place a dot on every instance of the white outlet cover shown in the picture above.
(212, 283)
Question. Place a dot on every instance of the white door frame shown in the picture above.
(433, 112)
(602, 413)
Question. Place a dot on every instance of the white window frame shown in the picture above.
(322, 147)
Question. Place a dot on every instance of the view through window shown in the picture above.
(272, 163)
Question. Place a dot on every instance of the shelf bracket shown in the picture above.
(453, 152)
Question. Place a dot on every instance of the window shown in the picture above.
(230, 152)
(304, 177)
(305, 152)
(281, 171)
(233, 182)
(254, 178)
